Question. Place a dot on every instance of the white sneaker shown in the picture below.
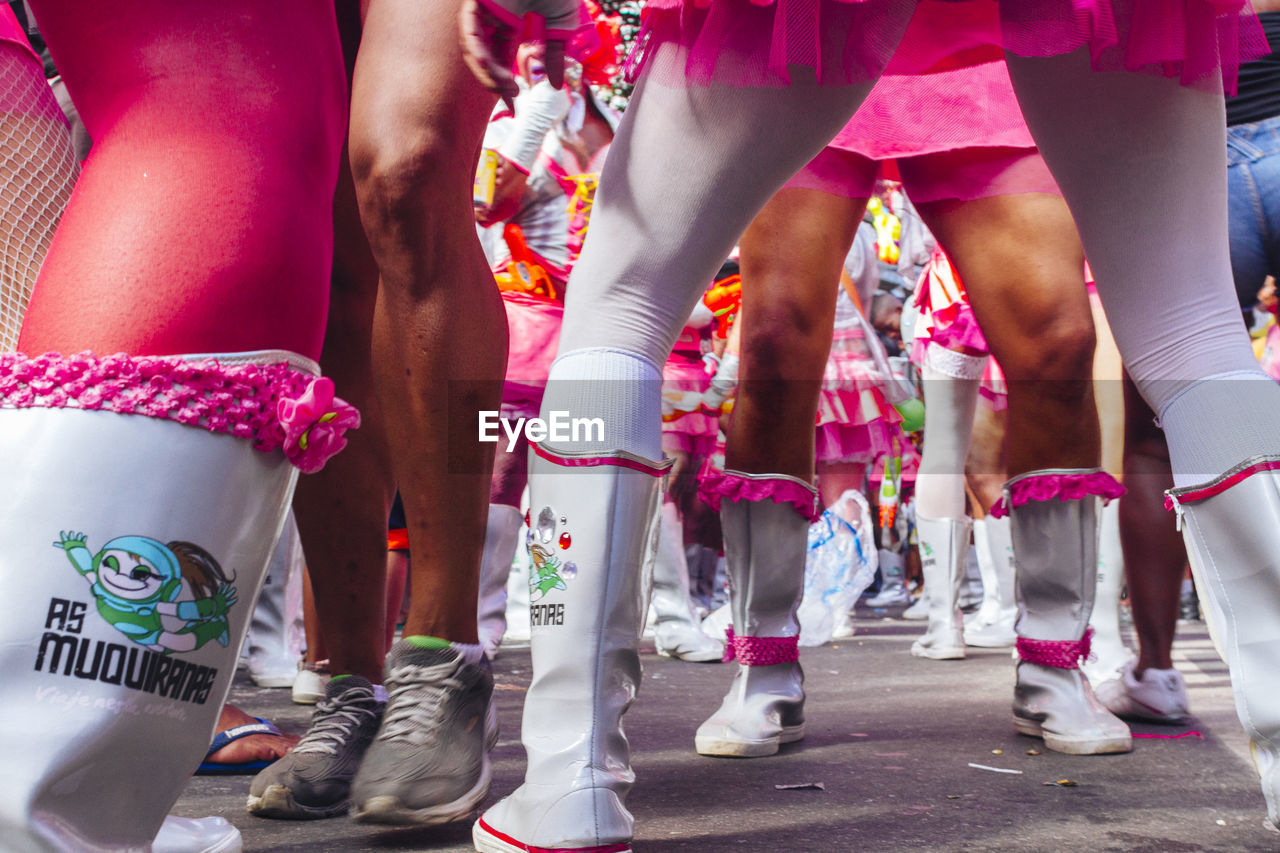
(1160, 696)
(919, 611)
(310, 683)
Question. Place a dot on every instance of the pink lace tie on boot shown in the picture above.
(760, 651)
(1059, 654)
(272, 405)
(714, 486)
(1064, 487)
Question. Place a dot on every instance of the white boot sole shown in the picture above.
(486, 842)
(939, 653)
(1074, 745)
(390, 810)
(741, 748)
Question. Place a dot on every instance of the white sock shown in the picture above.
(622, 390)
(1141, 161)
(949, 406)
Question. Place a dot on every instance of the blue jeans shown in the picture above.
(1253, 205)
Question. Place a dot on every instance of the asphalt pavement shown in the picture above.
(899, 754)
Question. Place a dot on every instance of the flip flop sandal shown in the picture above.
(231, 735)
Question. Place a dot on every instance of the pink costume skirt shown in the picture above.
(752, 43)
(686, 427)
(533, 325)
(855, 420)
(947, 320)
(956, 134)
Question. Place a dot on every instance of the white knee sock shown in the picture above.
(622, 390)
(1141, 161)
(950, 399)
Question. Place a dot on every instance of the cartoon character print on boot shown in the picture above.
(138, 583)
(548, 572)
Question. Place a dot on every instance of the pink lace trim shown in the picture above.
(272, 405)
(760, 651)
(1059, 654)
(1064, 487)
(714, 485)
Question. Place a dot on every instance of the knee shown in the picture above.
(1059, 348)
(401, 174)
(784, 341)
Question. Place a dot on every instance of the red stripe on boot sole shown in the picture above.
(502, 836)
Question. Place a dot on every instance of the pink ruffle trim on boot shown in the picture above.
(760, 651)
(273, 405)
(1059, 654)
(714, 486)
(1064, 487)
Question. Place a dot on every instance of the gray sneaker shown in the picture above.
(430, 761)
(314, 779)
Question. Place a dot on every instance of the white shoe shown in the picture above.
(676, 632)
(276, 633)
(1055, 546)
(893, 589)
(765, 544)
(197, 835)
(501, 536)
(944, 547)
(310, 682)
(998, 634)
(1232, 529)
(590, 529)
(919, 610)
(1160, 696)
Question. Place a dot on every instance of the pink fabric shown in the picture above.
(994, 391)
(272, 405)
(11, 32)
(844, 443)
(747, 43)
(683, 375)
(533, 324)
(1059, 654)
(910, 462)
(714, 485)
(203, 219)
(912, 114)
(1064, 487)
(760, 651)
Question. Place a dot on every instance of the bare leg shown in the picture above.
(1154, 556)
(1034, 311)
(417, 120)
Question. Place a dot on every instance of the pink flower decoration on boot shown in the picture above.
(314, 424)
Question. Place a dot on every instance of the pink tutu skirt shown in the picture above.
(947, 320)
(533, 324)
(855, 420)
(686, 426)
(750, 43)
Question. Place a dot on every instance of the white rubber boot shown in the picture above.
(276, 632)
(1232, 529)
(944, 545)
(676, 632)
(590, 525)
(1055, 543)
(765, 544)
(133, 547)
(992, 626)
(197, 835)
(1110, 654)
(500, 540)
(893, 586)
